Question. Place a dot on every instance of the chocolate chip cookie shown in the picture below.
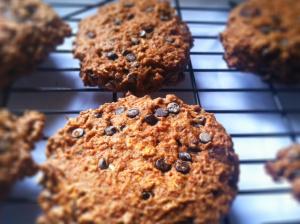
(139, 160)
(287, 166)
(133, 45)
(17, 137)
(263, 36)
(29, 30)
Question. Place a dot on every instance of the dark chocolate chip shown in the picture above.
(193, 149)
(173, 108)
(135, 41)
(149, 29)
(184, 156)
(77, 133)
(125, 52)
(205, 137)
(151, 119)
(146, 195)
(162, 165)
(143, 33)
(130, 57)
(249, 12)
(199, 121)
(112, 56)
(122, 127)
(265, 29)
(111, 130)
(103, 164)
(97, 115)
(128, 4)
(160, 112)
(182, 166)
(149, 9)
(119, 110)
(31, 9)
(130, 16)
(117, 21)
(91, 34)
(133, 113)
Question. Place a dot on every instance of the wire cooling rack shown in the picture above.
(261, 117)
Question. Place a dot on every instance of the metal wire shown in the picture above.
(279, 109)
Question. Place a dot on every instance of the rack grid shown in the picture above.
(261, 117)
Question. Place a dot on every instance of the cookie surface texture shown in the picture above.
(140, 160)
(287, 166)
(29, 30)
(17, 138)
(263, 36)
(136, 46)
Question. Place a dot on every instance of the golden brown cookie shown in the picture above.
(29, 30)
(140, 160)
(263, 36)
(17, 137)
(135, 45)
(287, 166)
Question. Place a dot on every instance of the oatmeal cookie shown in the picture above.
(263, 36)
(133, 45)
(17, 137)
(29, 30)
(140, 160)
(287, 166)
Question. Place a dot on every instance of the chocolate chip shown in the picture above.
(112, 56)
(111, 130)
(119, 110)
(265, 29)
(146, 195)
(151, 119)
(103, 164)
(149, 9)
(131, 78)
(133, 113)
(199, 121)
(193, 149)
(130, 16)
(97, 115)
(173, 108)
(205, 137)
(31, 9)
(128, 4)
(130, 57)
(182, 166)
(77, 133)
(184, 156)
(160, 112)
(143, 33)
(135, 41)
(249, 12)
(91, 34)
(169, 40)
(117, 21)
(149, 29)
(162, 165)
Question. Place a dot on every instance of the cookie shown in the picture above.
(287, 166)
(263, 36)
(139, 160)
(17, 137)
(29, 30)
(133, 45)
